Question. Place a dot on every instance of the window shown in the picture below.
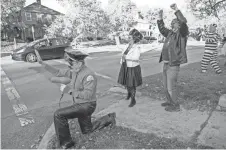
(39, 17)
(59, 41)
(28, 16)
(51, 42)
(41, 44)
(49, 17)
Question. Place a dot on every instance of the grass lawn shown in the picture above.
(196, 91)
(121, 138)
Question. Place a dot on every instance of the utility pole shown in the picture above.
(14, 41)
(33, 32)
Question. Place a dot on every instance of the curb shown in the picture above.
(46, 138)
(51, 132)
(4, 54)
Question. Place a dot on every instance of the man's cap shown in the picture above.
(75, 54)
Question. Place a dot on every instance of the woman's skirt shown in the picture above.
(130, 76)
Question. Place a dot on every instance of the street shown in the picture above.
(37, 98)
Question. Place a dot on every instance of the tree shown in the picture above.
(122, 14)
(209, 11)
(205, 8)
(10, 10)
(84, 18)
(10, 7)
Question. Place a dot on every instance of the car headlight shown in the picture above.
(21, 51)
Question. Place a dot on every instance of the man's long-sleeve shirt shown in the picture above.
(83, 83)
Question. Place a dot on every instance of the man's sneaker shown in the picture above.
(68, 145)
(203, 71)
(173, 108)
(166, 104)
(218, 72)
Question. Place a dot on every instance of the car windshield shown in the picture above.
(34, 42)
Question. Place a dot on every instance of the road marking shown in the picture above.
(61, 61)
(90, 57)
(19, 107)
(98, 74)
(103, 76)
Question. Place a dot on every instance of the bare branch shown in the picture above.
(219, 3)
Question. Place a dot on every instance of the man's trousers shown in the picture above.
(170, 75)
(81, 111)
(210, 57)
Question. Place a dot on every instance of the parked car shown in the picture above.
(48, 49)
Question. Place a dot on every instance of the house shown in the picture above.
(144, 26)
(31, 19)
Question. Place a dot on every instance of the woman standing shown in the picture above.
(130, 72)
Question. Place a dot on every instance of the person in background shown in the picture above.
(211, 52)
(83, 90)
(173, 55)
(130, 73)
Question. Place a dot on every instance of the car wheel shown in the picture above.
(31, 57)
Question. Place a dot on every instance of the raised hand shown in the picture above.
(174, 6)
(160, 14)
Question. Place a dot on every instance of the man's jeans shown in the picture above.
(170, 75)
(81, 111)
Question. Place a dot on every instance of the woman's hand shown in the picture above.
(160, 14)
(174, 7)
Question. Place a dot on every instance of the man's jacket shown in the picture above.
(83, 83)
(175, 42)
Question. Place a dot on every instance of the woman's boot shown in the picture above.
(128, 93)
(133, 100)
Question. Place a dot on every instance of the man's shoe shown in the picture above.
(68, 145)
(218, 72)
(166, 104)
(173, 108)
(203, 71)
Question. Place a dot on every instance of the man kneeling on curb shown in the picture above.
(83, 90)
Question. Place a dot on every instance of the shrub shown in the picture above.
(90, 38)
(99, 38)
(144, 41)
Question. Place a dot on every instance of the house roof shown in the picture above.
(37, 8)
